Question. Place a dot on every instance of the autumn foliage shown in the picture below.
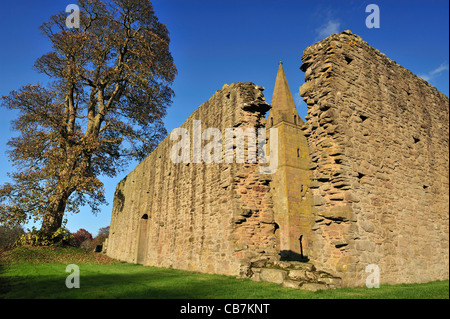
(80, 236)
(83, 239)
(109, 89)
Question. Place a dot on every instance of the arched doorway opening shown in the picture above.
(142, 239)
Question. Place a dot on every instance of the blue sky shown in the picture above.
(216, 42)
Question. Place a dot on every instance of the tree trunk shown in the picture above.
(58, 201)
(54, 216)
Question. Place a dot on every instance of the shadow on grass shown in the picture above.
(48, 281)
(144, 283)
(4, 282)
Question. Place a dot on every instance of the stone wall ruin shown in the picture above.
(375, 190)
(213, 217)
(378, 139)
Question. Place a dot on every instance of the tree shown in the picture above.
(9, 236)
(80, 236)
(103, 233)
(109, 90)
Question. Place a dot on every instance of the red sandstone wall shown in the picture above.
(214, 217)
(378, 137)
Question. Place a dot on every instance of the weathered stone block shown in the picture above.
(338, 212)
(301, 265)
(291, 284)
(331, 282)
(273, 275)
(297, 274)
(365, 245)
(306, 88)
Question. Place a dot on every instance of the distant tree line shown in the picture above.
(84, 239)
(10, 237)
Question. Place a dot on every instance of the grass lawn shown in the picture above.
(41, 273)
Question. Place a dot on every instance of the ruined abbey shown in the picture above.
(361, 183)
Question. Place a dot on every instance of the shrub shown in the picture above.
(9, 236)
(81, 236)
(84, 240)
(61, 237)
(87, 245)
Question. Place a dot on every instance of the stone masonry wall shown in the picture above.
(378, 137)
(377, 186)
(215, 217)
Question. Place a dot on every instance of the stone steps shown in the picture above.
(293, 274)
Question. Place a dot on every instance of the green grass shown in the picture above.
(40, 273)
